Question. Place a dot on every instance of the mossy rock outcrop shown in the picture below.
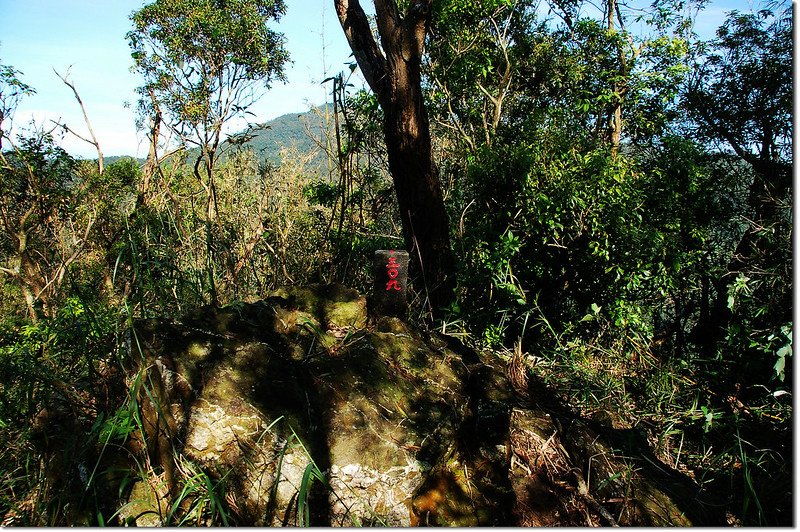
(270, 395)
(302, 409)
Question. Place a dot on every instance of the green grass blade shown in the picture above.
(302, 496)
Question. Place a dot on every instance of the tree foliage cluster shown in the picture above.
(619, 206)
(624, 214)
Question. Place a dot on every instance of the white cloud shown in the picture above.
(113, 126)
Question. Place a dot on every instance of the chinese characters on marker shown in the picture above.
(392, 269)
(390, 285)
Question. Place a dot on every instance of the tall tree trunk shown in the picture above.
(393, 74)
(419, 196)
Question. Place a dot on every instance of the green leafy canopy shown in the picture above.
(204, 60)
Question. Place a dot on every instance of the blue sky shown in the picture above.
(88, 38)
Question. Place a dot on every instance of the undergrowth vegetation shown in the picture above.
(617, 220)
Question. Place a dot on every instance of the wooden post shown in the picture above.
(391, 283)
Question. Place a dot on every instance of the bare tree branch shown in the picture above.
(94, 142)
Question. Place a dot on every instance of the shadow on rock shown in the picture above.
(298, 407)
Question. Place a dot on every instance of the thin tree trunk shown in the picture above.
(151, 165)
(93, 139)
(615, 116)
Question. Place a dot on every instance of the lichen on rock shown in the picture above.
(302, 400)
(274, 388)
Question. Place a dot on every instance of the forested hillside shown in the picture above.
(291, 133)
(616, 216)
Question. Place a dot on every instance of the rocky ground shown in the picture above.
(311, 411)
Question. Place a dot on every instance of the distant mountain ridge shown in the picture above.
(111, 159)
(297, 131)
